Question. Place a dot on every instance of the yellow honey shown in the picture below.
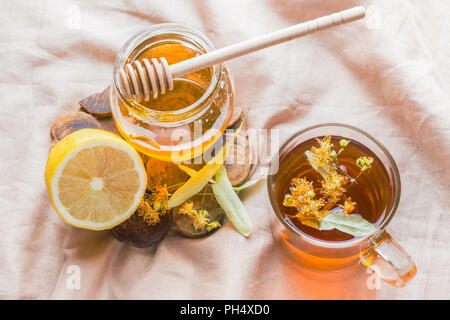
(180, 124)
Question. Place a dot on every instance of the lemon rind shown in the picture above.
(101, 138)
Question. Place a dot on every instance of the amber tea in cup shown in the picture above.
(368, 193)
(334, 189)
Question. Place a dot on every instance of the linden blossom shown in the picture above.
(193, 310)
(312, 211)
(154, 204)
(201, 218)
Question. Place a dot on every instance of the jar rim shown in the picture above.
(190, 34)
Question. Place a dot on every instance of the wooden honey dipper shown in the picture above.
(145, 77)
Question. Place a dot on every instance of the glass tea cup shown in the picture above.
(379, 251)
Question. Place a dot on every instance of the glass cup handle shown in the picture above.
(389, 261)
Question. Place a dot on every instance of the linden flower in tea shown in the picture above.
(328, 206)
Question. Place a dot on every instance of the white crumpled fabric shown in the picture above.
(388, 75)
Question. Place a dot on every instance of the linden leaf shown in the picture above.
(323, 170)
(194, 184)
(191, 171)
(347, 223)
(230, 203)
(250, 183)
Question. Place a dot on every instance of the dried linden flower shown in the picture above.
(333, 186)
(311, 194)
(348, 206)
(154, 204)
(333, 155)
(200, 218)
(344, 143)
(150, 215)
(213, 225)
(160, 198)
(364, 162)
(310, 222)
(302, 198)
(322, 154)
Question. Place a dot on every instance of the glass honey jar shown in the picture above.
(184, 122)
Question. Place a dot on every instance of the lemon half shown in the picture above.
(95, 179)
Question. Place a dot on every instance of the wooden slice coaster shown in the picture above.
(139, 233)
(72, 122)
(97, 104)
(236, 116)
(241, 158)
(203, 200)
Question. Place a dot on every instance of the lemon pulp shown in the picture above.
(95, 179)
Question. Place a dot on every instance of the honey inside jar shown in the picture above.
(182, 123)
(187, 89)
